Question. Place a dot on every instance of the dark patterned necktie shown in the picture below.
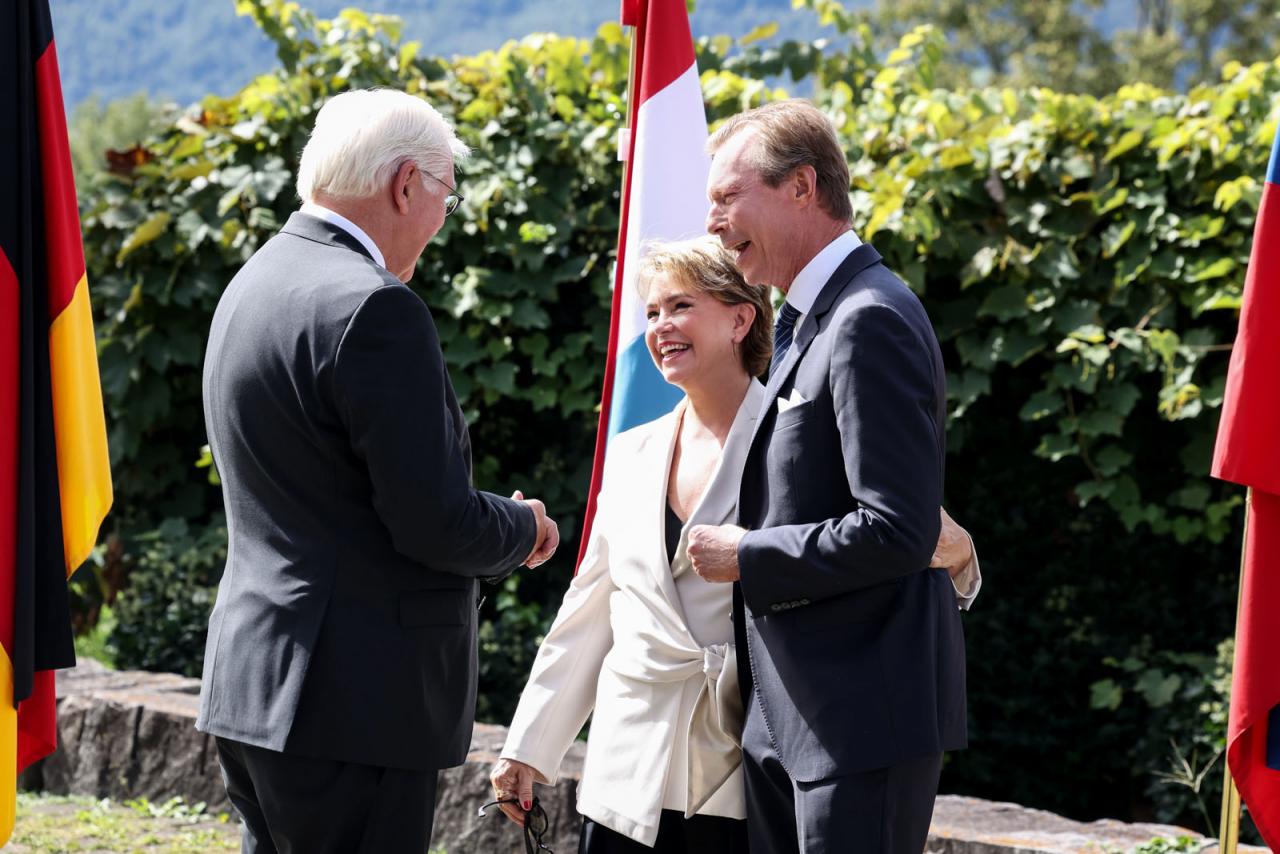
(782, 332)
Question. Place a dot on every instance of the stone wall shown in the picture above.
(127, 734)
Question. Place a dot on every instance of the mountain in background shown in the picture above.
(181, 50)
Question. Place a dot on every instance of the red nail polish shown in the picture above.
(528, 805)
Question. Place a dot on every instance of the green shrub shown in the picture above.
(163, 615)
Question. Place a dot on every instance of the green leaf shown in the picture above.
(188, 146)
(1203, 268)
(954, 157)
(1125, 143)
(1112, 459)
(1157, 688)
(1016, 347)
(565, 107)
(1113, 200)
(1105, 695)
(536, 232)
(1097, 422)
(1221, 300)
(1091, 333)
(1164, 342)
(1005, 303)
(1042, 404)
(1115, 236)
(1009, 101)
(407, 53)
(1194, 496)
(976, 351)
(1119, 398)
(155, 226)
(1056, 446)
(1091, 489)
(1231, 192)
(1057, 262)
(759, 33)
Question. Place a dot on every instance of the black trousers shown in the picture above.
(294, 805)
(702, 834)
(883, 811)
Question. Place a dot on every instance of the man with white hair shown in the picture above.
(340, 670)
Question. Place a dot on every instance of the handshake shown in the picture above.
(548, 536)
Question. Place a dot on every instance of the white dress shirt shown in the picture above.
(321, 212)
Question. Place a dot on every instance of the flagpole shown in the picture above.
(606, 398)
(1229, 826)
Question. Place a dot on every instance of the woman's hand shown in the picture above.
(512, 779)
(954, 549)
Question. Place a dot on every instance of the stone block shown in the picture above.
(125, 735)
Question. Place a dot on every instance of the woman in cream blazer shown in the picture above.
(640, 639)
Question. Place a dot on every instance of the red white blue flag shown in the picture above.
(1247, 454)
(663, 198)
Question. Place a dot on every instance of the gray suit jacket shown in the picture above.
(855, 646)
(345, 624)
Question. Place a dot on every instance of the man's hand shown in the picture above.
(513, 780)
(547, 539)
(713, 551)
(954, 549)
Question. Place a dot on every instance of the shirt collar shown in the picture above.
(804, 291)
(334, 218)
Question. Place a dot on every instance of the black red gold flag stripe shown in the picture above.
(55, 484)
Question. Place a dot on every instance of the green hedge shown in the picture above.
(1082, 260)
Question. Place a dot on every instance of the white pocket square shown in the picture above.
(785, 403)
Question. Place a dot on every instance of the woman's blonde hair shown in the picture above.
(707, 267)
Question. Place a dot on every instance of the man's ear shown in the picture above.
(804, 181)
(402, 184)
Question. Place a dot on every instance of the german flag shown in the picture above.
(55, 484)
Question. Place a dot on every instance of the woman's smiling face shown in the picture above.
(690, 335)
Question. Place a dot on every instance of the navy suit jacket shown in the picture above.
(855, 646)
(345, 624)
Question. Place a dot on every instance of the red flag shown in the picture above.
(1246, 454)
(55, 486)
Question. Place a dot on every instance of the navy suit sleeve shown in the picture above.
(885, 393)
(389, 379)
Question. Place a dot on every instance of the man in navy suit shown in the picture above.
(855, 649)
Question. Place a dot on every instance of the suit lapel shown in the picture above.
(718, 502)
(720, 499)
(656, 471)
(862, 257)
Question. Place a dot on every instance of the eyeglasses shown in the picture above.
(452, 200)
(536, 824)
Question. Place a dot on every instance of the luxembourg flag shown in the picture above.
(1246, 454)
(663, 198)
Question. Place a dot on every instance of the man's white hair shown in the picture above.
(361, 138)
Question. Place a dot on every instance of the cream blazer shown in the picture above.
(648, 645)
